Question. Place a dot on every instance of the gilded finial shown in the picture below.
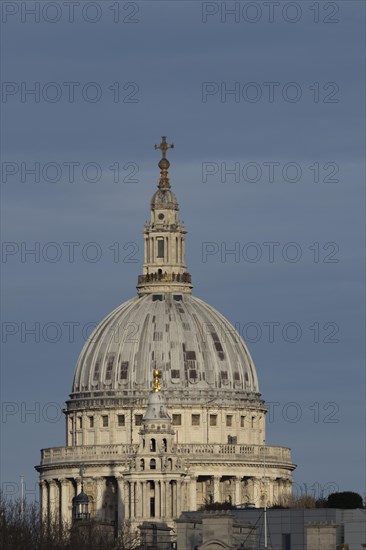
(156, 384)
(164, 181)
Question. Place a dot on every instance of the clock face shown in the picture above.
(161, 216)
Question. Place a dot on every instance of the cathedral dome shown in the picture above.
(197, 350)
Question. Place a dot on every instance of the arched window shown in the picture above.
(164, 445)
(142, 464)
(153, 464)
(152, 445)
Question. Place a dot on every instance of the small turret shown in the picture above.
(156, 421)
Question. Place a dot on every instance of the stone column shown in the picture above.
(127, 500)
(179, 251)
(179, 497)
(43, 489)
(53, 501)
(250, 489)
(183, 250)
(132, 503)
(65, 502)
(84, 421)
(192, 494)
(141, 499)
(146, 499)
(99, 496)
(157, 499)
(168, 503)
(163, 499)
(121, 498)
(174, 498)
(138, 499)
(237, 499)
(216, 488)
(185, 491)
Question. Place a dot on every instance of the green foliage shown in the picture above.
(346, 500)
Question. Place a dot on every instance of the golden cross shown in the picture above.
(164, 146)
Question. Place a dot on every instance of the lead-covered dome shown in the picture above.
(164, 198)
(196, 349)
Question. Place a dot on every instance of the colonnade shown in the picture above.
(139, 498)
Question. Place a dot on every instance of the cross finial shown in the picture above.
(164, 146)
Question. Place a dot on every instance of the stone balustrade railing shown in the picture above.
(158, 277)
(85, 452)
(192, 450)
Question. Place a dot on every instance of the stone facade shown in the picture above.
(208, 446)
(306, 529)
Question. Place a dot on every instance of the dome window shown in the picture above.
(193, 375)
(224, 376)
(108, 373)
(123, 371)
(96, 371)
(177, 297)
(157, 297)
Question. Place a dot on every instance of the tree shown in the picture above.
(21, 528)
(346, 500)
(217, 506)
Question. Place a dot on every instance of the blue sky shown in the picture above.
(273, 92)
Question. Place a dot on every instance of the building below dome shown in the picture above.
(196, 437)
